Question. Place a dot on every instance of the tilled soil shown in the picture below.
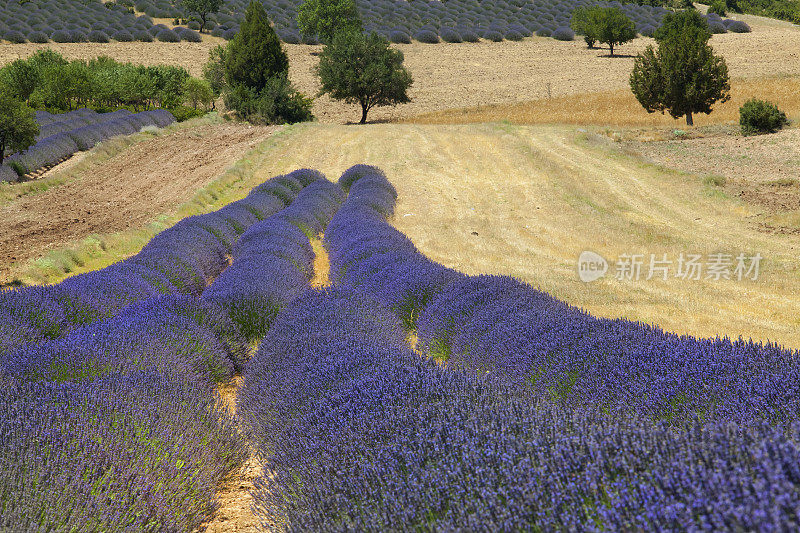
(128, 190)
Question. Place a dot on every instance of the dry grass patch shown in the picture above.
(620, 108)
(525, 201)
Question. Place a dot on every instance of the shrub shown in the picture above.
(513, 35)
(143, 36)
(193, 25)
(563, 34)
(61, 36)
(717, 27)
(544, 32)
(123, 36)
(718, 7)
(168, 36)
(18, 127)
(494, 36)
(98, 36)
(38, 37)
(399, 37)
(758, 116)
(469, 36)
(183, 113)
(190, 36)
(647, 30)
(230, 34)
(737, 26)
(450, 35)
(290, 37)
(15, 37)
(426, 36)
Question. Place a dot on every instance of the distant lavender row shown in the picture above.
(182, 259)
(358, 433)
(76, 21)
(59, 140)
(273, 260)
(499, 325)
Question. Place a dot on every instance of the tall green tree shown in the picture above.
(679, 23)
(202, 8)
(363, 69)
(18, 127)
(326, 18)
(682, 77)
(581, 24)
(255, 55)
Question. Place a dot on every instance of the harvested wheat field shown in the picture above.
(126, 184)
(448, 76)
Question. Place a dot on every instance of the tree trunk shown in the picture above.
(612, 49)
(689, 119)
(364, 110)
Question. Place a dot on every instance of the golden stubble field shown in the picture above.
(526, 201)
(451, 76)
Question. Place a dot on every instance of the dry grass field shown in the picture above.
(525, 201)
(454, 76)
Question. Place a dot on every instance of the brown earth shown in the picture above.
(763, 170)
(128, 190)
(466, 75)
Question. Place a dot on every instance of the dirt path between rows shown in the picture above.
(129, 190)
(235, 513)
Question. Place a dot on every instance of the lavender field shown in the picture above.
(404, 396)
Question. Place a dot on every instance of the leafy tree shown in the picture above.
(326, 18)
(198, 92)
(203, 8)
(363, 69)
(18, 127)
(581, 24)
(682, 77)
(214, 70)
(719, 7)
(611, 26)
(255, 55)
(687, 21)
(20, 79)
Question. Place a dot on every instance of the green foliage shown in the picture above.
(214, 70)
(326, 18)
(256, 84)
(197, 92)
(779, 9)
(758, 116)
(203, 8)
(51, 82)
(581, 24)
(183, 113)
(611, 26)
(683, 76)
(607, 25)
(255, 55)
(277, 103)
(675, 25)
(20, 79)
(18, 127)
(363, 69)
(719, 7)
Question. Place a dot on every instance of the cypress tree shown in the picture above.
(255, 55)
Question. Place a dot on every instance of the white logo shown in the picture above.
(591, 266)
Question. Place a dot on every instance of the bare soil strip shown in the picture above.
(129, 190)
(235, 513)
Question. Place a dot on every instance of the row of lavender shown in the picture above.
(499, 325)
(78, 132)
(360, 433)
(121, 414)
